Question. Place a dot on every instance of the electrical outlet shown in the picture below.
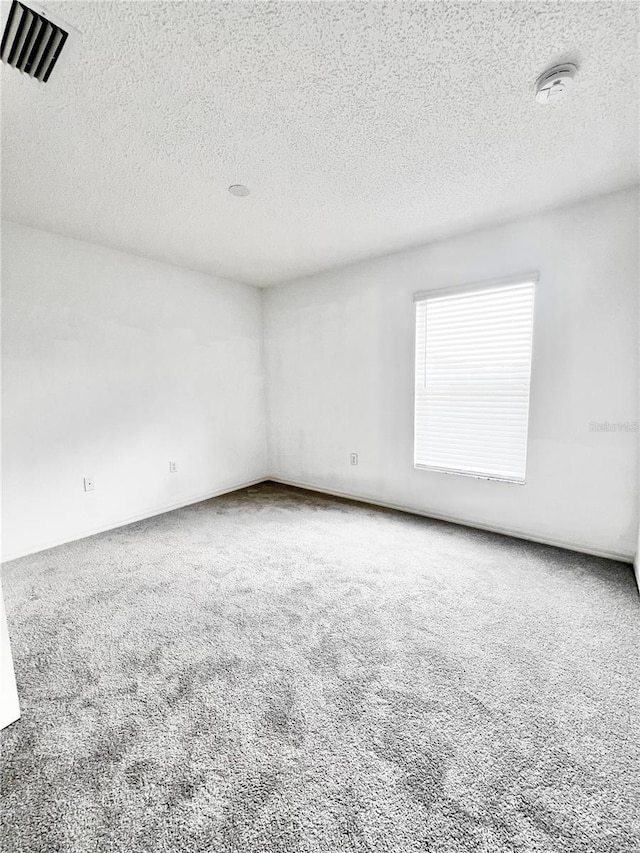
(89, 484)
(172, 467)
(354, 458)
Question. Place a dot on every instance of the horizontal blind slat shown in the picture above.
(473, 370)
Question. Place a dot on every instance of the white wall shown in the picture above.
(339, 355)
(112, 366)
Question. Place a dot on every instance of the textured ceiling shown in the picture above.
(360, 128)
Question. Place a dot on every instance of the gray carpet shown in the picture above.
(276, 671)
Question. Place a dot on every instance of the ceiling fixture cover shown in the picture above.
(239, 189)
(552, 86)
(32, 42)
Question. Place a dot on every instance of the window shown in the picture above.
(473, 369)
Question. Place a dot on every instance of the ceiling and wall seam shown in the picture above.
(450, 236)
(148, 258)
(370, 259)
(360, 129)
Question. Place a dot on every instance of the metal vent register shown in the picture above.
(31, 42)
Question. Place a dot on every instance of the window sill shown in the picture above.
(476, 476)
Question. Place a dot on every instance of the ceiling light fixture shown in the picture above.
(239, 189)
(552, 86)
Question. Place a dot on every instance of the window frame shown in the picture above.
(532, 277)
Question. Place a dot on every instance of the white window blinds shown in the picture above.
(473, 369)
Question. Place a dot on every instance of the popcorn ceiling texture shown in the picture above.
(281, 672)
(359, 127)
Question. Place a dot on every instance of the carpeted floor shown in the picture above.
(276, 671)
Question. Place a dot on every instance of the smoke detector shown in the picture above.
(553, 85)
(33, 40)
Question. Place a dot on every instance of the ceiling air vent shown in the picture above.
(32, 42)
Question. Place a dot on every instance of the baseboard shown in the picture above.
(624, 557)
(149, 513)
